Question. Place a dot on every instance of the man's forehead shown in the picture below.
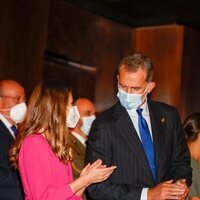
(132, 78)
(12, 88)
(85, 106)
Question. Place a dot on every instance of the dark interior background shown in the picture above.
(83, 41)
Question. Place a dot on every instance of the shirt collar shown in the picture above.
(5, 121)
(7, 124)
(144, 106)
(79, 137)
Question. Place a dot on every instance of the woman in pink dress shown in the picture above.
(42, 150)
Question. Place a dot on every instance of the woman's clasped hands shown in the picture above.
(91, 173)
(97, 172)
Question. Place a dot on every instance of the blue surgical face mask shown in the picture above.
(87, 123)
(131, 101)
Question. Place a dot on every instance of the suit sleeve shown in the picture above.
(9, 178)
(180, 165)
(36, 170)
(100, 146)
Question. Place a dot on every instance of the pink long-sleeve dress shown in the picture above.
(43, 175)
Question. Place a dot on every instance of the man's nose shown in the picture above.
(128, 90)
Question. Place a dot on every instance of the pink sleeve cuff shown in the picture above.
(66, 192)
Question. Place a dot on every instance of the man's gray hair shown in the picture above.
(135, 61)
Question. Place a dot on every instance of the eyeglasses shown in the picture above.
(18, 99)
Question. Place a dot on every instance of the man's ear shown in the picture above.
(151, 86)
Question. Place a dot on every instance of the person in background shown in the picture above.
(42, 150)
(80, 133)
(144, 138)
(191, 127)
(87, 112)
(12, 110)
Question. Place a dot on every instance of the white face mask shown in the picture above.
(18, 112)
(87, 123)
(131, 101)
(72, 117)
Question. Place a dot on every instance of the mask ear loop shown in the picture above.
(143, 94)
(5, 109)
(7, 116)
(146, 89)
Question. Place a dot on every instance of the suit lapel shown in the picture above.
(4, 131)
(77, 145)
(129, 134)
(157, 125)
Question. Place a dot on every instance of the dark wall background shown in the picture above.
(164, 45)
(52, 39)
(190, 93)
(91, 40)
(23, 30)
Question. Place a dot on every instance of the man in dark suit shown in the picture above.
(11, 94)
(143, 138)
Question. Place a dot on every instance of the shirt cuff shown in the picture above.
(144, 194)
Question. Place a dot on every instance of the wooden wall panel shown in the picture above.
(190, 97)
(27, 28)
(23, 29)
(164, 45)
(92, 40)
(75, 74)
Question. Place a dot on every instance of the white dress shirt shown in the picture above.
(81, 139)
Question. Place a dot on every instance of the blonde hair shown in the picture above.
(46, 111)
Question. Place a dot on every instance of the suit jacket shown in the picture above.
(10, 185)
(114, 139)
(79, 151)
(78, 163)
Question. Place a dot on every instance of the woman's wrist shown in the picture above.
(79, 184)
(84, 179)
